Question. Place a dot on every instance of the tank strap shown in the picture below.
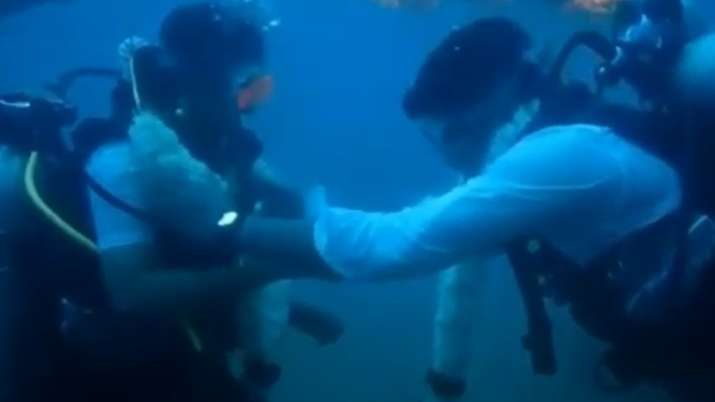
(539, 338)
(120, 204)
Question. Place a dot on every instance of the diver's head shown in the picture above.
(219, 50)
(189, 81)
(650, 26)
(212, 38)
(471, 85)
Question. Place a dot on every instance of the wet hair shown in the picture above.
(467, 67)
(208, 35)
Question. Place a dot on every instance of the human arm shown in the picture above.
(553, 182)
(138, 277)
(138, 282)
(278, 200)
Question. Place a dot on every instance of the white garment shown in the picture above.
(460, 292)
(580, 186)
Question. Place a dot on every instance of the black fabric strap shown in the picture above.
(539, 338)
(220, 249)
(120, 204)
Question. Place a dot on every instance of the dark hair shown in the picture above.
(466, 67)
(207, 35)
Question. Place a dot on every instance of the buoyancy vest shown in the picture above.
(638, 351)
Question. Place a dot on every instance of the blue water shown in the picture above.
(341, 67)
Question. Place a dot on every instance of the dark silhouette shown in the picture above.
(11, 7)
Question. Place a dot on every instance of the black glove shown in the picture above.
(322, 326)
(444, 386)
(260, 373)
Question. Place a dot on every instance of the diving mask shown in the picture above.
(254, 91)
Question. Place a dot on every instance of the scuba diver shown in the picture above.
(69, 330)
(191, 92)
(12, 7)
(27, 122)
(596, 204)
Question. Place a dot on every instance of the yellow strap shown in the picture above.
(84, 241)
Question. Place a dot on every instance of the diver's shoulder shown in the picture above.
(556, 137)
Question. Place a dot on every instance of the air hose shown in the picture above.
(52, 216)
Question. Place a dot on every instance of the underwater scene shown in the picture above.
(357, 200)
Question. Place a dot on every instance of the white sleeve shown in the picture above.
(111, 167)
(459, 293)
(555, 179)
